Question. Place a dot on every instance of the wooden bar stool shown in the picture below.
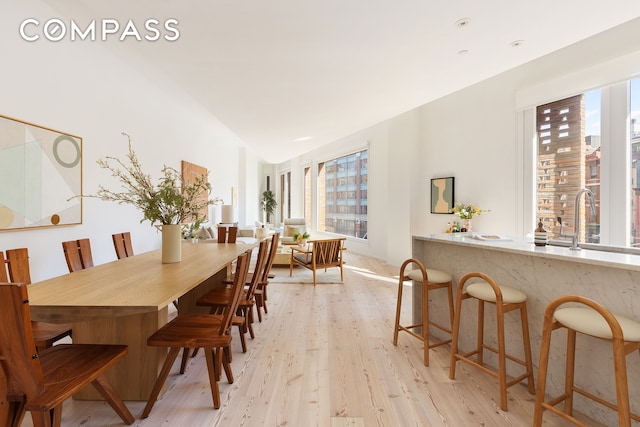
(431, 280)
(594, 320)
(505, 299)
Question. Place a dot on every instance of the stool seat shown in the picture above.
(434, 276)
(590, 322)
(484, 291)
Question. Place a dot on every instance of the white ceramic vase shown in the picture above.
(171, 243)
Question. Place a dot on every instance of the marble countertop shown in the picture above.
(525, 246)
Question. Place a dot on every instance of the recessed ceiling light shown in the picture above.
(302, 138)
(464, 22)
(517, 43)
(463, 52)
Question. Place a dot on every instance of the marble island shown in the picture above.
(543, 273)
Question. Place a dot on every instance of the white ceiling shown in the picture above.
(274, 71)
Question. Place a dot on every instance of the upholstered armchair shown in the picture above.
(292, 226)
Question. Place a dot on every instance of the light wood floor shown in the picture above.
(324, 356)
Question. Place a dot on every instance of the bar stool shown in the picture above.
(596, 321)
(506, 299)
(434, 279)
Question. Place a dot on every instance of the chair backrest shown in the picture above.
(122, 244)
(227, 234)
(233, 234)
(240, 276)
(17, 346)
(273, 249)
(327, 252)
(78, 254)
(261, 261)
(18, 263)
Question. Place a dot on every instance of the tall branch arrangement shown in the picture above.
(171, 201)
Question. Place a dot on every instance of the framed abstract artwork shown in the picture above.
(442, 192)
(41, 173)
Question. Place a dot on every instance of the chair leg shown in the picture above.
(226, 363)
(249, 321)
(243, 342)
(396, 328)
(454, 335)
(185, 358)
(480, 348)
(527, 347)
(622, 387)
(570, 374)
(502, 360)
(213, 382)
(545, 345)
(112, 397)
(162, 378)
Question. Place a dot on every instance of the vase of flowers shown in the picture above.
(168, 205)
(301, 238)
(466, 211)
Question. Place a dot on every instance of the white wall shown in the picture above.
(83, 89)
(473, 135)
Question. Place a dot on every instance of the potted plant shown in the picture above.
(167, 205)
(268, 204)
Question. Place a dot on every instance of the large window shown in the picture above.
(592, 141)
(342, 195)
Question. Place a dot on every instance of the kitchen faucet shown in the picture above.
(576, 219)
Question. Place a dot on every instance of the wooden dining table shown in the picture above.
(125, 301)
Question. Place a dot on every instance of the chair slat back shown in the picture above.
(227, 234)
(18, 262)
(222, 234)
(122, 244)
(3, 268)
(17, 346)
(240, 276)
(327, 252)
(72, 256)
(84, 245)
(233, 234)
(261, 261)
(78, 254)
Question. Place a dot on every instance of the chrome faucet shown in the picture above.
(576, 219)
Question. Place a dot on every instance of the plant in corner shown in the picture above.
(268, 204)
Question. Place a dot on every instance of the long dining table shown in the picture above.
(125, 301)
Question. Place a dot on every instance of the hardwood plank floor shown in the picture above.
(324, 356)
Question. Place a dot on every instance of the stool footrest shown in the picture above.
(508, 356)
(408, 330)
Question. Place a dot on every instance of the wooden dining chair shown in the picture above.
(122, 244)
(218, 299)
(261, 292)
(41, 382)
(77, 253)
(17, 261)
(323, 254)
(209, 332)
